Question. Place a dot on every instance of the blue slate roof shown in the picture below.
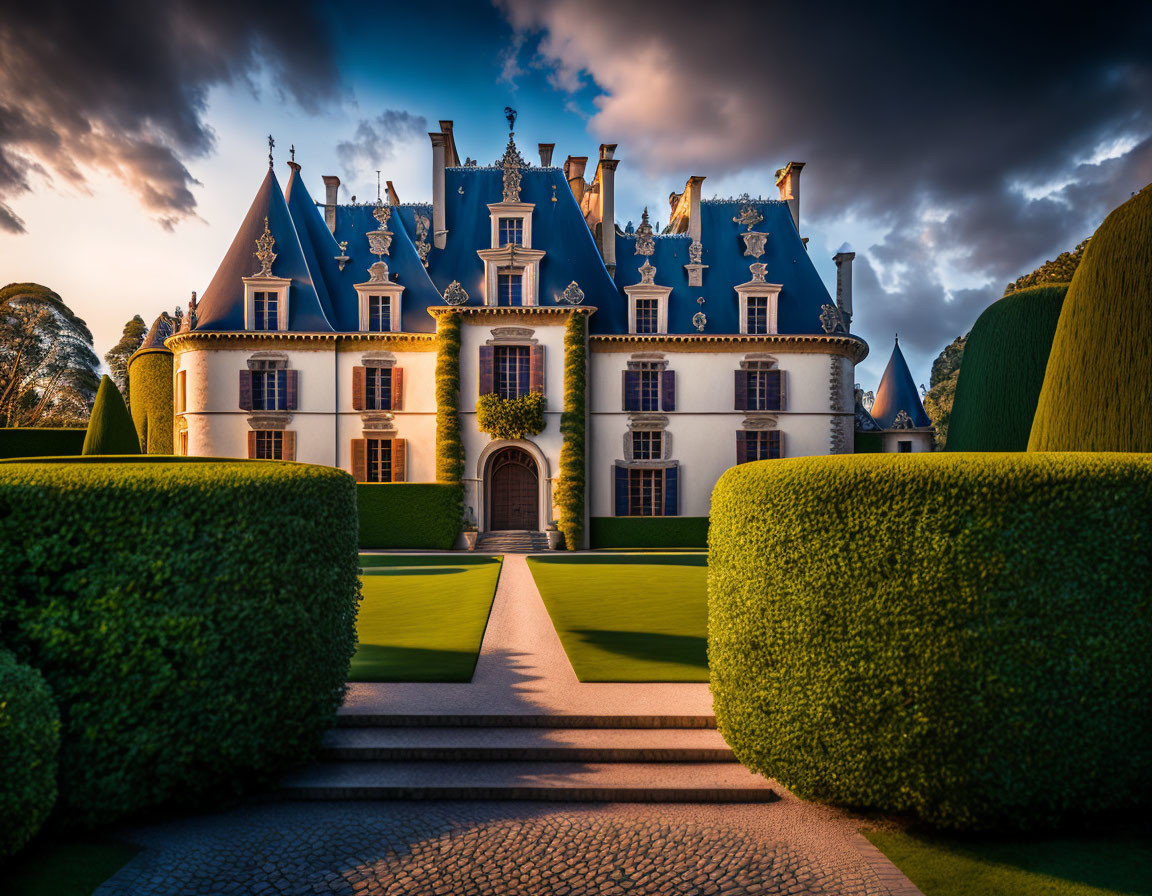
(897, 393)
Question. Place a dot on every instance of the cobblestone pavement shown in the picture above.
(457, 848)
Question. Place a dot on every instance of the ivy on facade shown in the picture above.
(574, 432)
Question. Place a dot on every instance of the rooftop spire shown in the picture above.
(292, 150)
(511, 162)
(271, 143)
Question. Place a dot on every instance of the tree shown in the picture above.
(48, 370)
(110, 429)
(938, 399)
(1059, 270)
(117, 356)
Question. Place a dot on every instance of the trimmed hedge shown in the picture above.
(194, 620)
(966, 637)
(868, 443)
(449, 442)
(511, 418)
(409, 514)
(110, 428)
(150, 385)
(1097, 393)
(29, 746)
(649, 531)
(1003, 370)
(40, 441)
(574, 433)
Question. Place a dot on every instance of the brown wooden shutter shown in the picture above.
(358, 378)
(399, 456)
(741, 444)
(252, 444)
(487, 381)
(288, 451)
(741, 390)
(776, 444)
(536, 368)
(783, 391)
(360, 460)
(293, 389)
(397, 389)
(245, 390)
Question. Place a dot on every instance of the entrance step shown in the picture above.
(512, 542)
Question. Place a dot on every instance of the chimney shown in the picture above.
(694, 184)
(439, 150)
(331, 189)
(451, 157)
(607, 175)
(546, 154)
(574, 173)
(843, 259)
(393, 196)
(788, 180)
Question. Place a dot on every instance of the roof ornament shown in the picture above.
(749, 217)
(645, 242)
(343, 258)
(572, 295)
(377, 186)
(647, 273)
(831, 320)
(512, 161)
(754, 243)
(455, 294)
(422, 244)
(696, 252)
(271, 143)
(264, 254)
(700, 319)
(292, 150)
(378, 272)
(903, 420)
(188, 321)
(380, 239)
(758, 271)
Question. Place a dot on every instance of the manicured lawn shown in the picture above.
(629, 617)
(1097, 865)
(423, 616)
(63, 868)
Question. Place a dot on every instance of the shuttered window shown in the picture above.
(272, 444)
(646, 491)
(512, 370)
(378, 389)
(649, 388)
(376, 459)
(759, 388)
(379, 460)
(758, 445)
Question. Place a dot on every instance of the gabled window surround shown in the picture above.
(762, 320)
(266, 303)
(380, 306)
(511, 252)
(640, 317)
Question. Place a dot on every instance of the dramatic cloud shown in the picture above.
(973, 142)
(376, 139)
(121, 87)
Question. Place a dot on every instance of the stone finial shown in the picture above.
(264, 254)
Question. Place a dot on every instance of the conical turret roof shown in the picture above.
(898, 393)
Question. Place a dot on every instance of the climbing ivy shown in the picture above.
(449, 443)
(510, 418)
(573, 430)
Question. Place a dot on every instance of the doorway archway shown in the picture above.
(513, 491)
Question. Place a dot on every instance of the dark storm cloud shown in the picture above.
(122, 87)
(376, 139)
(966, 135)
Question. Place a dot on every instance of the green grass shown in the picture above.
(423, 616)
(66, 868)
(629, 617)
(1102, 865)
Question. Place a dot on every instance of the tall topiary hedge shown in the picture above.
(1003, 371)
(409, 514)
(29, 745)
(40, 441)
(1097, 393)
(110, 428)
(967, 637)
(574, 433)
(649, 531)
(449, 442)
(150, 385)
(194, 620)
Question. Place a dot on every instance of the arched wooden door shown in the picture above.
(513, 491)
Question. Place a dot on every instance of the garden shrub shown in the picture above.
(40, 441)
(868, 443)
(649, 531)
(510, 418)
(1003, 370)
(29, 744)
(110, 428)
(409, 514)
(1097, 393)
(150, 385)
(194, 620)
(574, 433)
(449, 442)
(966, 637)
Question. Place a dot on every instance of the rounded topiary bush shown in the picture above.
(1003, 370)
(29, 744)
(150, 385)
(1097, 393)
(966, 637)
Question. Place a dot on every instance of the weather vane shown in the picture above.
(271, 143)
(292, 149)
(510, 114)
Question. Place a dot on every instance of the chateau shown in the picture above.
(706, 345)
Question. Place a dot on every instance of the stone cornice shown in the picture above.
(241, 339)
(851, 347)
(509, 311)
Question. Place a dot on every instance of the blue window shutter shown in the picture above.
(631, 390)
(671, 504)
(621, 490)
(524, 371)
(281, 390)
(487, 377)
(775, 397)
(668, 390)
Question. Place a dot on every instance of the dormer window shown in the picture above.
(509, 287)
(266, 305)
(379, 314)
(379, 302)
(757, 313)
(511, 232)
(647, 315)
(511, 265)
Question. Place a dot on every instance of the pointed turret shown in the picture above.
(898, 393)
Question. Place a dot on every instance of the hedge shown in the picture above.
(194, 620)
(150, 385)
(449, 442)
(574, 433)
(37, 441)
(1003, 370)
(868, 443)
(966, 637)
(409, 514)
(110, 427)
(29, 745)
(511, 418)
(1097, 393)
(649, 531)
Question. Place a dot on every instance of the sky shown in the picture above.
(954, 149)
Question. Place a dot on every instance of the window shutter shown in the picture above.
(775, 397)
(776, 444)
(252, 444)
(668, 390)
(397, 389)
(291, 389)
(487, 369)
(289, 449)
(245, 390)
(741, 390)
(631, 390)
(536, 377)
(671, 475)
(399, 456)
(359, 377)
(360, 460)
(741, 444)
(621, 490)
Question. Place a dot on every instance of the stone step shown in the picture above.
(694, 782)
(526, 744)
(351, 718)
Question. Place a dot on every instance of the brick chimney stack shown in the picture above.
(331, 191)
(546, 154)
(788, 180)
(843, 259)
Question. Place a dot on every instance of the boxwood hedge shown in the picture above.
(29, 744)
(649, 532)
(194, 620)
(150, 385)
(409, 514)
(966, 637)
(40, 441)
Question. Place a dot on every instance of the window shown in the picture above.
(379, 314)
(181, 391)
(265, 306)
(377, 389)
(182, 443)
(757, 314)
(904, 447)
(648, 315)
(379, 458)
(759, 445)
(648, 445)
(509, 288)
(512, 370)
(269, 390)
(649, 388)
(269, 445)
(511, 232)
(646, 492)
(763, 388)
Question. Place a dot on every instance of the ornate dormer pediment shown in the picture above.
(264, 254)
